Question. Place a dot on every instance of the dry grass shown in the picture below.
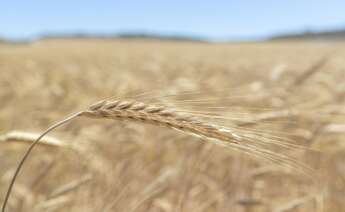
(262, 99)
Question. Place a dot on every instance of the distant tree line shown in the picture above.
(309, 35)
(123, 35)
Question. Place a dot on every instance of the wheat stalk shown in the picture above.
(162, 116)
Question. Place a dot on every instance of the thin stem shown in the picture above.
(27, 153)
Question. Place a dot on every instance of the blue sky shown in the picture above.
(212, 19)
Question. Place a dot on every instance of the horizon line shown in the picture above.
(162, 35)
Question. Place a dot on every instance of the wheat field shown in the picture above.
(194, 126)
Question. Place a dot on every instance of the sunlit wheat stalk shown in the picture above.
(162, 116)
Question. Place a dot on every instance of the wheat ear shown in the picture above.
(159, 115)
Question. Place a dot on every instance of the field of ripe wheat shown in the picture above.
(173, 126)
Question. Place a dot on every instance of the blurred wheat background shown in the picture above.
(295, 89)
